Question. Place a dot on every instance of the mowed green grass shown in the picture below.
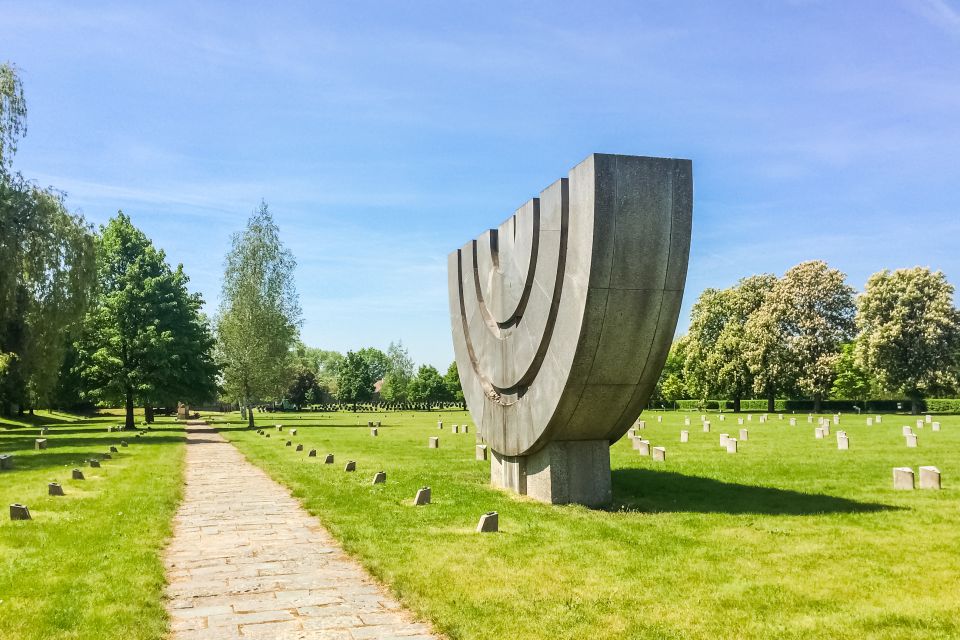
(789, 538)
(89, 564)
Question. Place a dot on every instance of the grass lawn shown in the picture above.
(88, 565)
(789, 538)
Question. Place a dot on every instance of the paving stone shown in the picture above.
(247, 561)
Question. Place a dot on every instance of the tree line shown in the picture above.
(807, 335)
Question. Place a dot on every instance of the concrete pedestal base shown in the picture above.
(573, 471)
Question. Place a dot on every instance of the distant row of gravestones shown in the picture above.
(489, 522)
(903, 477)
(22, 512)
(366, 407)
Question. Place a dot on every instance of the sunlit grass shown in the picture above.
(789, 538)
(89, 564)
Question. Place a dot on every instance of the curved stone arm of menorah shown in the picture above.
(563, 316)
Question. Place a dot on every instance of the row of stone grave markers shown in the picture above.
(489, 522)
(929, 475)
(22, 512)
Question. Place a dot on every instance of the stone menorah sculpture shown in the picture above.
(563, 317)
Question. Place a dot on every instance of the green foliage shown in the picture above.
(144, 337)
(428, 386)
(46, 279)
(354, 379)
(795, 335)
(909, 332)
(304, 389)
(259, 313)
(399, 373)
(851, 381)
(13, 114)
(377, 362)
(716, 360)
(452, 383)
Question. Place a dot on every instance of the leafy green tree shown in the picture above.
(452, 382)
(259, 316)
(797, 332)
(354, 379)
(909, 332)
(398, 375)
(851, 381)
(377, 361)
(671, 385)
(302, 388)
(144, 337)
(428, 387)
(716, 354)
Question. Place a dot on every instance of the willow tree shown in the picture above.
(909, 332)
(259, 316)
(46, 268)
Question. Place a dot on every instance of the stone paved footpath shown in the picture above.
(247, 561)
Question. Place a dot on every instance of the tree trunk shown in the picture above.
(148, 412)
(128, 424)
(817, 399)
(250, 417)
(771, 402)
(914, 405)
(736, 404)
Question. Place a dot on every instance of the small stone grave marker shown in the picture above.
(722, 417)
(293, 432)
(660, 454)
(843, 442)
(684, 436)
(906, 430)
(279, 427)
(299, 447)
(54, 489)
(731, 445)
(40, 443)
(19, 512)
(929, 478)
(643, 446)
(481, 452)
(903, 478)
(374, 432)
(77, 474)
(312, 453)
(935, 426)
(686, 422)
(749, 417)
(6, 462)
(289, 443)
(422, 497)
(107, 456)
(434, 442)
(380, 477)
(114, 450)
(739, 421)
(94, 463)
(723, 439)
(489, 523)
(350, 466)
(378, 423)
(793, 422)
(919, 423)
(836, 419)
(818, 433)
(641, 424)
(911, 441)
(466, 428)
(659, 418)
(744, 434)
(440, 424)
(928, 418)
(869, 422)
(706, 427)
(878, 419)
(328, 459)
(456, 428)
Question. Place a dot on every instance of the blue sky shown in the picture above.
(383, 135)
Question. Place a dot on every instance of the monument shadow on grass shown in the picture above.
(663, 491)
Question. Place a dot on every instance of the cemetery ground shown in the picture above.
(788, 538)
(88, 565)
